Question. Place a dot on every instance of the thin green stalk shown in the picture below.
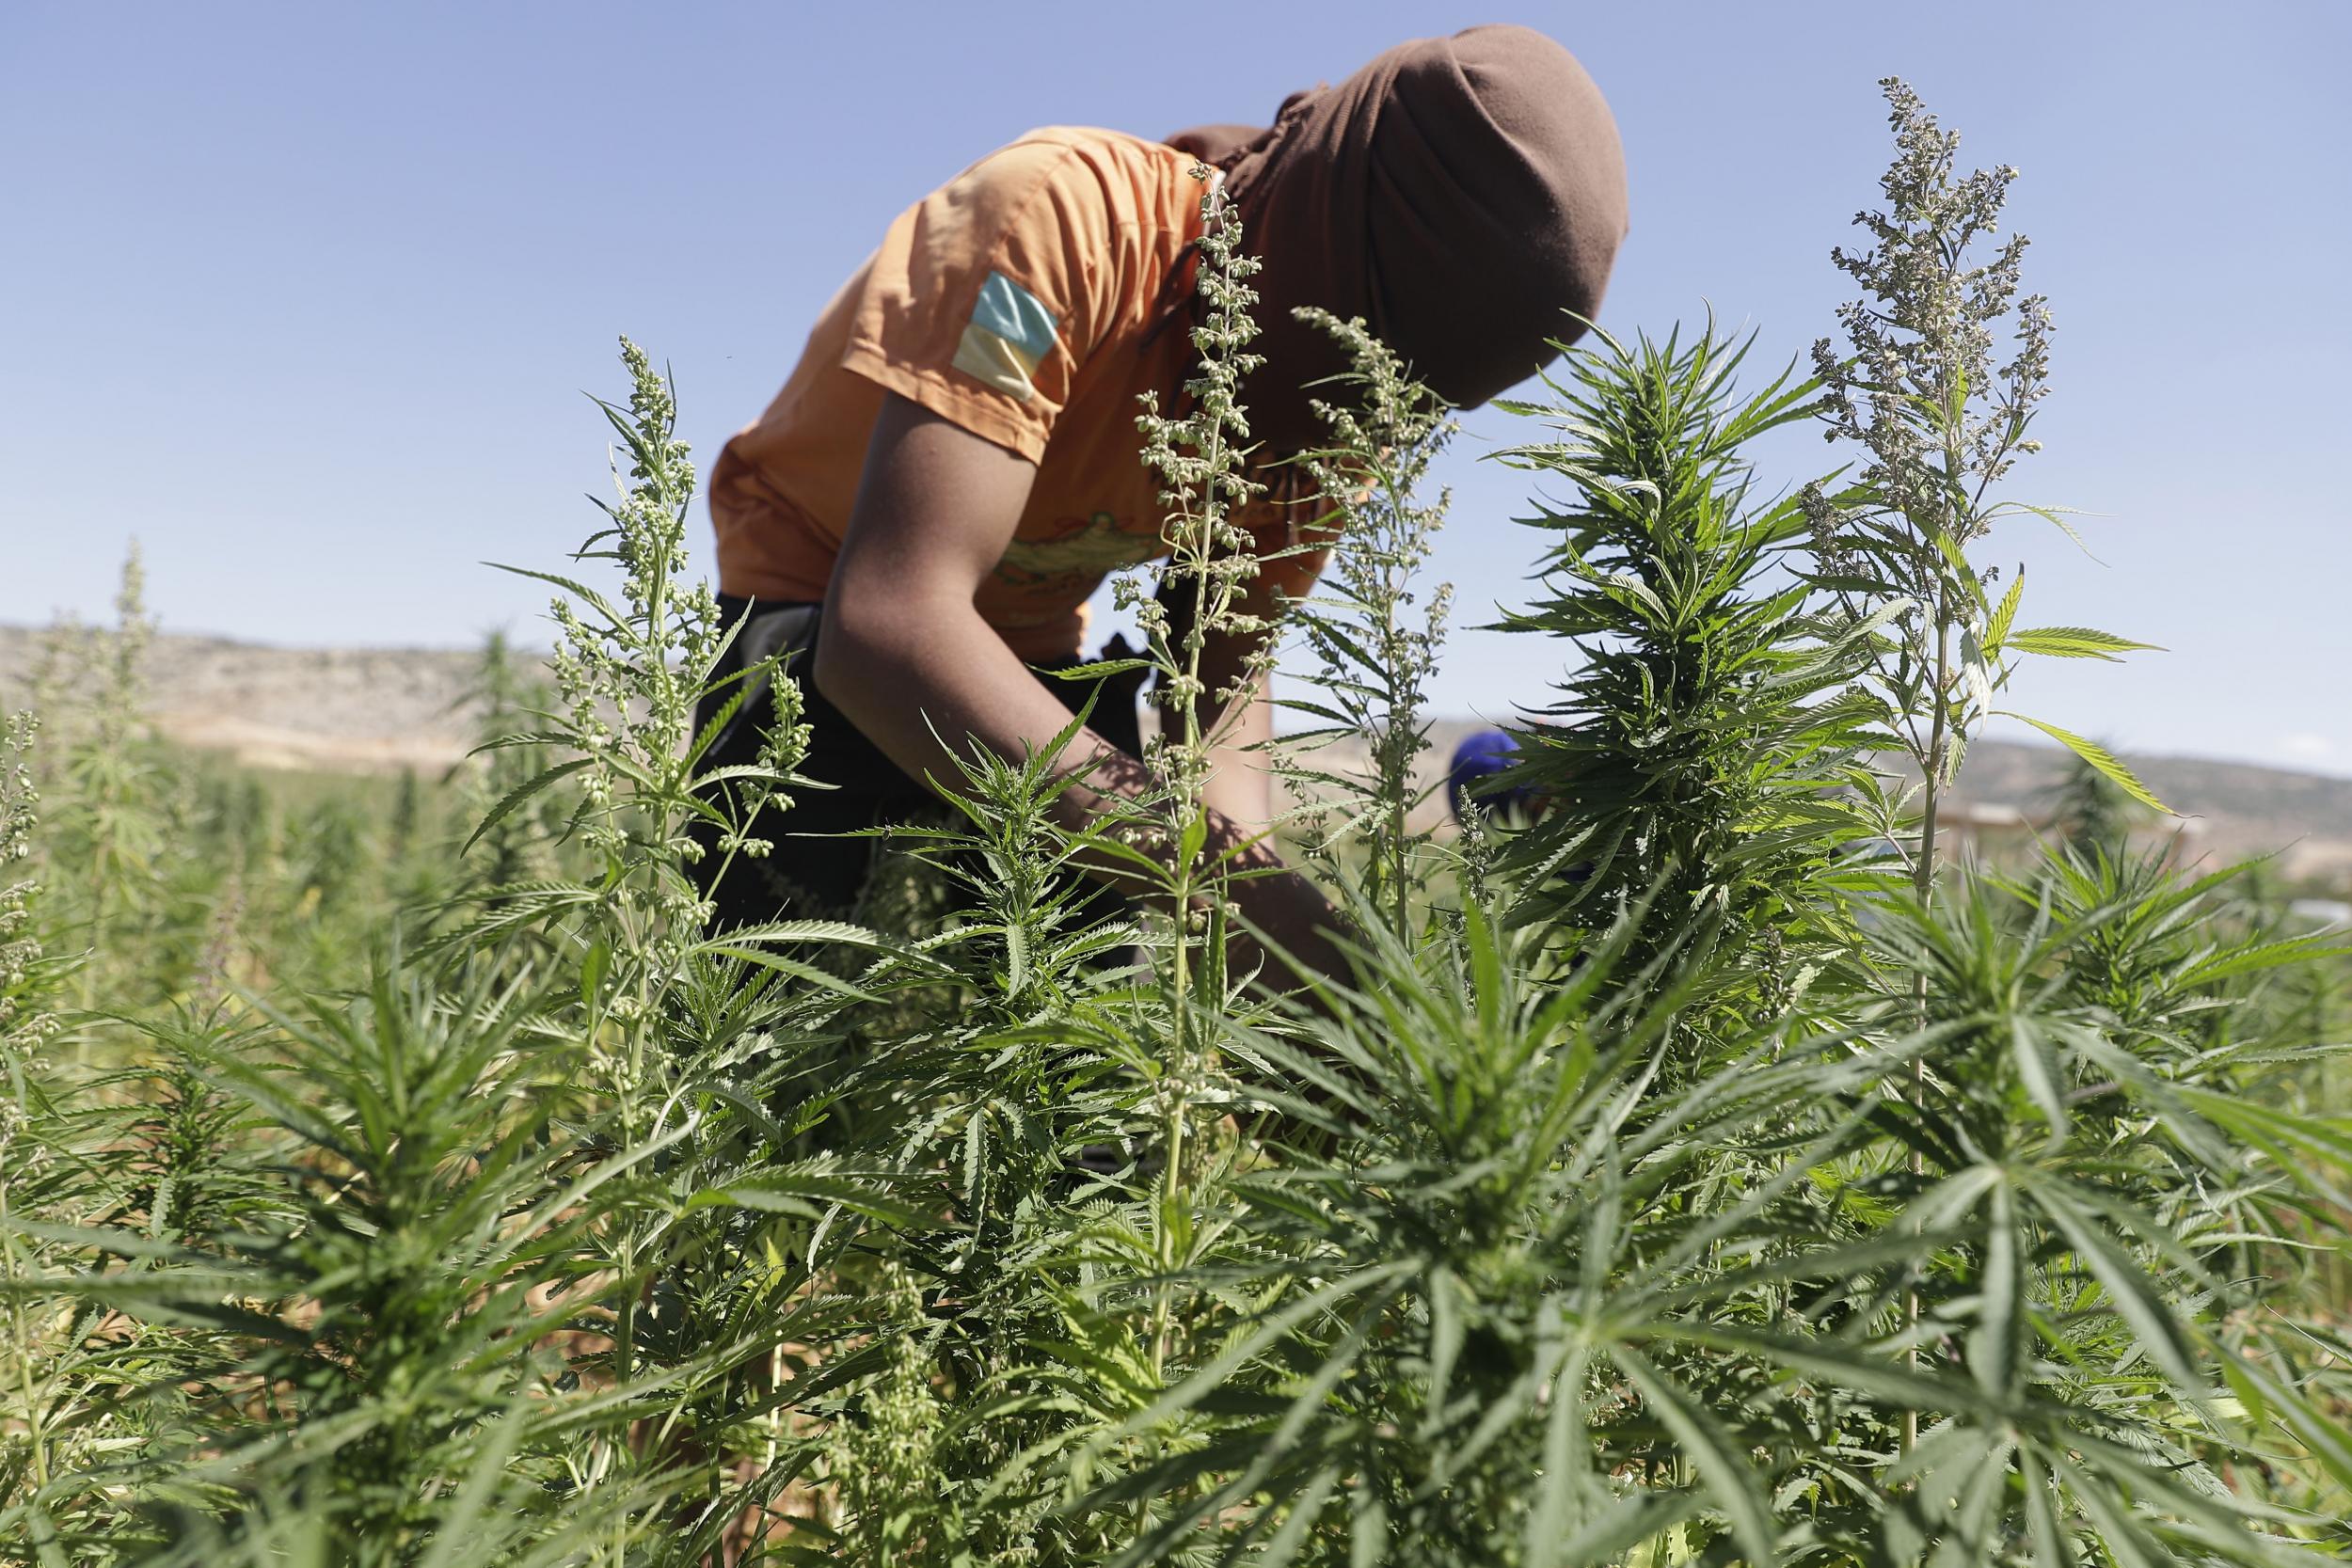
(1195, 454)
(36, 1429)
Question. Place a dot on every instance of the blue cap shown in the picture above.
(1481, 754)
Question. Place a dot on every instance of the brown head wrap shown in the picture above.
(1458, 194)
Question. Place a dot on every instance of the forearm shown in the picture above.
(926, 677)
(937, 680)
(1240, 786)
(905, 657)
(932, 678)
(1234, 712)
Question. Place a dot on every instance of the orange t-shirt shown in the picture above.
(1018, 302)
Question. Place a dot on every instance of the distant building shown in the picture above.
(1995, 833)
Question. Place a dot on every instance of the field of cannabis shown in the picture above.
(1696, 1168)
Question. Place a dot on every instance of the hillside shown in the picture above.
(387, 709)
(334, 710)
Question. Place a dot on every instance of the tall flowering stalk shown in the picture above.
(23, 1027)
(108, 837)
(1375, 645)
(1940, 424)
(1201, 459)
(628, 671)
(23, 1024)
(627, 675)
(1201, 455)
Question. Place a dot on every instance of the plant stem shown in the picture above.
(1398, 755)
(1930, 809)
(1923, 884)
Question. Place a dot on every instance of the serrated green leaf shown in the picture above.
(2005, 614)
(2075, 643)
(522, 792)
(2099, 757)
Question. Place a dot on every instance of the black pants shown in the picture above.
(808, 876)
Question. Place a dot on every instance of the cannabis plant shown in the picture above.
(24, 1023)
(106, 836)
(1376, 649)
(522, 845)
(2092, 812)
(1665, 1180)
(1706, 758)
(1940, 425)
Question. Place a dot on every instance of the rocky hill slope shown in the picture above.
(333, 709)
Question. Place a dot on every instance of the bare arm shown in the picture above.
(902, 652)
(1239, 788)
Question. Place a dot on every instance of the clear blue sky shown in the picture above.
(305, 296)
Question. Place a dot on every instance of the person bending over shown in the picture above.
(922, 513)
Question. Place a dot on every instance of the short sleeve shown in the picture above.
(988, 294)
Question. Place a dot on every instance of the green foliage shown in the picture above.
(395, 1281)
(23, 1019)
(108, 828)
(1377, 650)
(1707, 758)
(1662, 1184)
(518, 847)
(1940, 425)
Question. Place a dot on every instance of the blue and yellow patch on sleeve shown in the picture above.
(1010, 335)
